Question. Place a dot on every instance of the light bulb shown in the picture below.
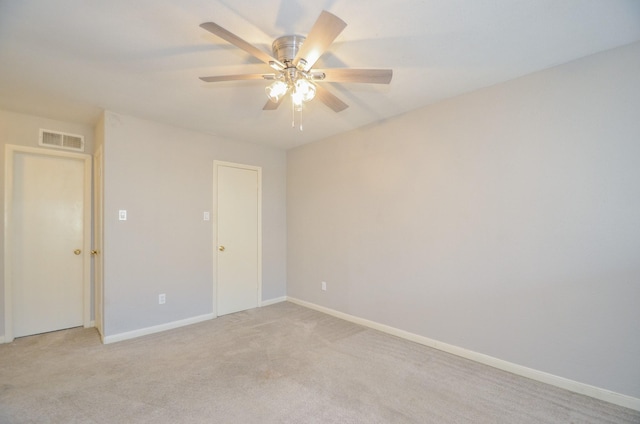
(276, 90)
(305, 89)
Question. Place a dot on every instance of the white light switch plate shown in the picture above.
(206, 216)
(122, 215)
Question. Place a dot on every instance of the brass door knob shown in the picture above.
(221, 248)
(94, 252)
(77, 251)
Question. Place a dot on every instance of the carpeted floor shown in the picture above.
(278, 364)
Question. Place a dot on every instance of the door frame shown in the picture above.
(10, 152)
(98, 240)
(258, 169)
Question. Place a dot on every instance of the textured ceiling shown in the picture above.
(70, 59)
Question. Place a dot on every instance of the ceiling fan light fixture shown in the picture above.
(293, 59)
(276, 90)
(305, 89)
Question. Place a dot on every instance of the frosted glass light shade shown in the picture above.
(305, 90)
(276, 90)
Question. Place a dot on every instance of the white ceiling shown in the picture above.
(70, 59)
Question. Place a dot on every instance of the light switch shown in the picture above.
(206, 216)
(122, 215)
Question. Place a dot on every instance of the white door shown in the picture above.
(239, 253)
(47, 243)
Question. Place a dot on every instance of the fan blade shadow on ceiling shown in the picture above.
(238, 42)
(293, 13)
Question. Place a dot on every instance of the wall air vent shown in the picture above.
(61, 140)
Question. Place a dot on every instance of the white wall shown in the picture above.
(163, 177)
(505, 221)
(24, 130)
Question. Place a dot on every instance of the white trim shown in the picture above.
(156, 329)
(1, 339)
(88, 238)
(98, 238)
(273, 301)
(8, 292)
(258, 169)
(541, 376)
(10, 151)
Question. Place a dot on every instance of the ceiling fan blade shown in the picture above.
(239, 42)
(371, 76)
(240, 77)
(326, 28)
(330, 100)
(271, 105)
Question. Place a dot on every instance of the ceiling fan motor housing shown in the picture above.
(285, 48)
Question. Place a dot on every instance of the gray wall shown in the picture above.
(24, 130)
(163, 177)
(505, 221)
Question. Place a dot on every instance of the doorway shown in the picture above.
(47, 241)
(238, 240)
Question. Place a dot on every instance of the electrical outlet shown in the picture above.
(324, 286)
(122, 215)
(162, 299)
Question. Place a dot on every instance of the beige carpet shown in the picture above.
(278, 364)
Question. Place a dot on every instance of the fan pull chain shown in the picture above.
(293, 116)
(300, 118)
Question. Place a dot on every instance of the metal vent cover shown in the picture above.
(61, 140)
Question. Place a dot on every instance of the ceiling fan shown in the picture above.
(293, 59)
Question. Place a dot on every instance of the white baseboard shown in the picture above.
(155, 329)
(1, 339)
(273, 301)
(541, 376)
(171, 325)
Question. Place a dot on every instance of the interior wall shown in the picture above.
(505, 221)
(24, 130)
(163, 177)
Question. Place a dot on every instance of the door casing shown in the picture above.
(10, 152)
(98, 240)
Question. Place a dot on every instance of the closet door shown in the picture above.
(238, 237)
